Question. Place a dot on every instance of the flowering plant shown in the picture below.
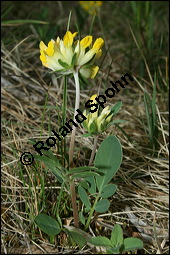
(94, 188)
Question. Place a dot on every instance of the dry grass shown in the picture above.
(141, 202)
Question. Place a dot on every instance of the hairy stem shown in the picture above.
(77, 103)
(71, 151)
(94, 150)
(74, 205)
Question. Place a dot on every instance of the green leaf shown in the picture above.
(114, 250)
(52, 166)
(92, 128)
(132, 243)
(82, 218)
(102, 206)
(79, 236)
(92, 182)
(108, 160)
(63, 64)
(84, 197)
(108, 190)
(116, 108)
(81, 169)
(47, 224)
(84, 174)
(84, 184)
(100, 241)
(117, 236)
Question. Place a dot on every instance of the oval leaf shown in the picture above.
(79, 236)
(117, 236)
(132, 243)
(108, 160)
(100, 241)
(102, 205)
(47, 224)
(108, 190)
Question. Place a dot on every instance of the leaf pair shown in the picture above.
(116, 244)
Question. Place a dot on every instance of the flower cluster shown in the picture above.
(66, 56)
(92, 7)
(96, 122)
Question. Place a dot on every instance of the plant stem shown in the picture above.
(91, 213)
(71, 150)
(74, 204)
(64, 108)
(77, 103)
(94, 150)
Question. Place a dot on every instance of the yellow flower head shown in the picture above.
(67, 55)
(96, 122)
(92, 7)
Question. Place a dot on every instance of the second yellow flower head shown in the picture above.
(96, 122)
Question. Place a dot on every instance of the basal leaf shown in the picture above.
(100, 241)
(132, 243)
(117, 236)
(79, 236)
(47, 224)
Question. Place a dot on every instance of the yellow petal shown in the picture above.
(98, 44)
(74, 34)
(42, 46)
(68, 38)
(95, 69)
(93, 97)
(50, 49)
(86, 41)
(43, 57)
